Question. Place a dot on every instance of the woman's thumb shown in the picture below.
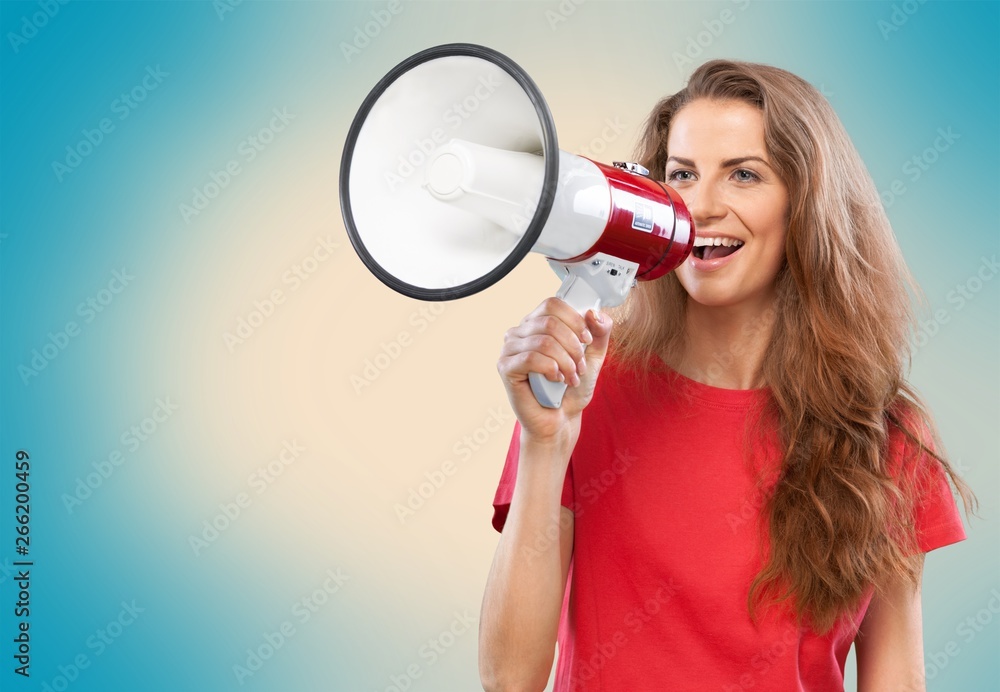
(599, 325)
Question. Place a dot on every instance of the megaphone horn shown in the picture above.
(451, 174)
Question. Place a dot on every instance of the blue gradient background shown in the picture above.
(333, 508)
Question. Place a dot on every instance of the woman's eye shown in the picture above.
(745, 176)
(680, 175)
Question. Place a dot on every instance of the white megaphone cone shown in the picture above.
(452, 174)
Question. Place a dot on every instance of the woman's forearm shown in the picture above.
(525, 588)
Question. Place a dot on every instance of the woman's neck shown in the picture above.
(725, 346)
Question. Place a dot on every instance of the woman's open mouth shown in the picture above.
(715, 248)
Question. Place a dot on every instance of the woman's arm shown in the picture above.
(525, 588)
(889, 645)
(524, 591)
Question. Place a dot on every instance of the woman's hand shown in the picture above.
(551, 341)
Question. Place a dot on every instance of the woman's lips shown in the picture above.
(714, 263)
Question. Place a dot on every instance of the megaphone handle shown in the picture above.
(581, 297)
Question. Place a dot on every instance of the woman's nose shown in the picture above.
(704, 203)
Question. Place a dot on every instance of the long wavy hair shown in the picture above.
(838, 515)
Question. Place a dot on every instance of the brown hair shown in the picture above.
(839, 518)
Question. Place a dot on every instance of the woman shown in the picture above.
(753, 485)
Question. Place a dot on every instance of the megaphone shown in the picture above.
(451, 174)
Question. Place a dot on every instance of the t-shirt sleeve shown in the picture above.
(505, 490)
(936, 517)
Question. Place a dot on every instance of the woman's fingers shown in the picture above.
(561, 345)
(600, 328)
(517, 366)
(547, 353)
(556, 307)
(556, 319)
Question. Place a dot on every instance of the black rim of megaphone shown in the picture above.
(550, 150)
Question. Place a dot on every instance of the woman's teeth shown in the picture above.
(709, 248)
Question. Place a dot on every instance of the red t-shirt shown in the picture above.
(665, 548)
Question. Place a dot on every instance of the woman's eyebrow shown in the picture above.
(728, 163)
(743, 159)
(681, 161)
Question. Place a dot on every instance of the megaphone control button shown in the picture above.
(445, 176)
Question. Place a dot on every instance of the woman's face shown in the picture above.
(720, 166)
